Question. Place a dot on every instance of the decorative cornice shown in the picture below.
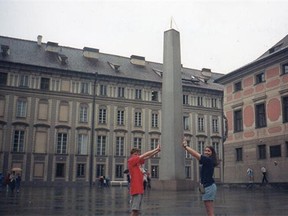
(41, 125)
(20, 123)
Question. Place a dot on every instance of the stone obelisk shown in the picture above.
(172, 163)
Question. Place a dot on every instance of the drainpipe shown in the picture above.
(91, 162)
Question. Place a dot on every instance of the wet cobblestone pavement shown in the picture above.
(86, 201)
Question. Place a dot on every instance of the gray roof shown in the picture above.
(30, 53)
(282, 44)
(277, 49)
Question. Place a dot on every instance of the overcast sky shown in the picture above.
(220, 35)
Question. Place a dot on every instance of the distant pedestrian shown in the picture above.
(250, 175)
(18, 182)
(136, 188)
(12, 181)
(1, 181)
(264, 173)
(7, 181)
(148, 181)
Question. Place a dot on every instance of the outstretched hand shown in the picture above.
(158, 147)
(184, 142)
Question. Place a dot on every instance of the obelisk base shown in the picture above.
(173, 185)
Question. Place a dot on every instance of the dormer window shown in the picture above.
(115, 67)
(63, 59)
(5, 50)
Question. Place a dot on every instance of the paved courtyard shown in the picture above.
(88, 201)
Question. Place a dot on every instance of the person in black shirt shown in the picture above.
(208, 161)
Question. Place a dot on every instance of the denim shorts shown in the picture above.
(136, 201)
(210, 193)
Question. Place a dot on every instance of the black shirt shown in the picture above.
(207, 170)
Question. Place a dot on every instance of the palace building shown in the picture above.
(256, 107)
(69, 116)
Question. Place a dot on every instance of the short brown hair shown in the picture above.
(134, 150)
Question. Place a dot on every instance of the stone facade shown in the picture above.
(69, 115)
(256, 108)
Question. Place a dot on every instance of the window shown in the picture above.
(238, 123)
(237, 86)
(153, 144)
(188, 172)
(154, 171)
(201, 147)
(82, 144)
(61, 143)
(44, 85)
(81, 170)
(119, 171)
(18, 141)
(187, 155)
(102, 116)
(120, 117)
(259, 78)
(214, 102)
(103, 90)
(84, 87)
(137, 143)
(262, 151)
(285, 68)
(186, 122)
(23, 81)
(154, 96)
(285, 108)
(138, 119)
(100, 170)
(101, 145)
(3, 78)
(185, 99)
(201, 124)
(60, 170)
(119, 146)
(21, 108)
(215, 128)
(275, 151)
(215, 145)
(199, 101)
(260, 116)
(83, 113)
(239, 154)
(121, 91)
(63, 114)
(154, 120)
(138, 94)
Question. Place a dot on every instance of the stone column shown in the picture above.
(172, 163)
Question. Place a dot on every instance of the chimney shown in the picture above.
(137, 60)
(91, 53)
(52, 47)
(206, 73)
(39, 40)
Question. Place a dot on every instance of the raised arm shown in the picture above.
(150, 153)
(191, 151)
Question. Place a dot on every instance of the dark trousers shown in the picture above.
(264, 179)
